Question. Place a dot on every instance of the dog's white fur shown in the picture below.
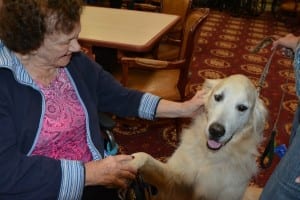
(235, 115)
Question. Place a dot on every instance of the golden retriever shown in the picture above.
(216, 157)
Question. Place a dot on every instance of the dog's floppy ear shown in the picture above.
(259, 115)
(209, 84)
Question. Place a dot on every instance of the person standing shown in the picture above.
(284, 183)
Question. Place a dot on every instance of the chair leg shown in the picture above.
(124, 79)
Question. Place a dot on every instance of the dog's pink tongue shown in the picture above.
(213, 144)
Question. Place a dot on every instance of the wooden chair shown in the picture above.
(165, 78)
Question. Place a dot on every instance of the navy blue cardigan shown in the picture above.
(21, 110)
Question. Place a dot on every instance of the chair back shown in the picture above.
(191, 31)
(176, 7)
(191, 27)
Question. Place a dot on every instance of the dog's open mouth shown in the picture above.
(214, 145)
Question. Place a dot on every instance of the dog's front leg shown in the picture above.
(169, 183)
(152, 170)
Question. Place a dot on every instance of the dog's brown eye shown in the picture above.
(218, 97)
(242, 108)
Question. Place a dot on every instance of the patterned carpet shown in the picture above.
(224, 48)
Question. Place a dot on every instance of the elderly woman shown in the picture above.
(50, 94)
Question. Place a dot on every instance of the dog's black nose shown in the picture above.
(216, 130)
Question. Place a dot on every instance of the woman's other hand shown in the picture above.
(289, 41)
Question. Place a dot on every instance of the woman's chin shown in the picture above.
(64, 60)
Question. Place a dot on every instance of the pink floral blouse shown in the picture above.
(63, 134)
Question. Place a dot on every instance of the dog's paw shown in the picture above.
(139, 160)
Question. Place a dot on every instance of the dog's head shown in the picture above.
(232, 105)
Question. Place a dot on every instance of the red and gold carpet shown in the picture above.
(224, 48)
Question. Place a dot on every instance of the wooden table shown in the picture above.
(122, 29)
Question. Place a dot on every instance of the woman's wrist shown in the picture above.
(87, 175)
(170, 109)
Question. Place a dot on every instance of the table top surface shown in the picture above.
(124, 29)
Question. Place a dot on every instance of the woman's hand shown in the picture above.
(297, 179)
(112, 172)
(194, 106)
(189, 108)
